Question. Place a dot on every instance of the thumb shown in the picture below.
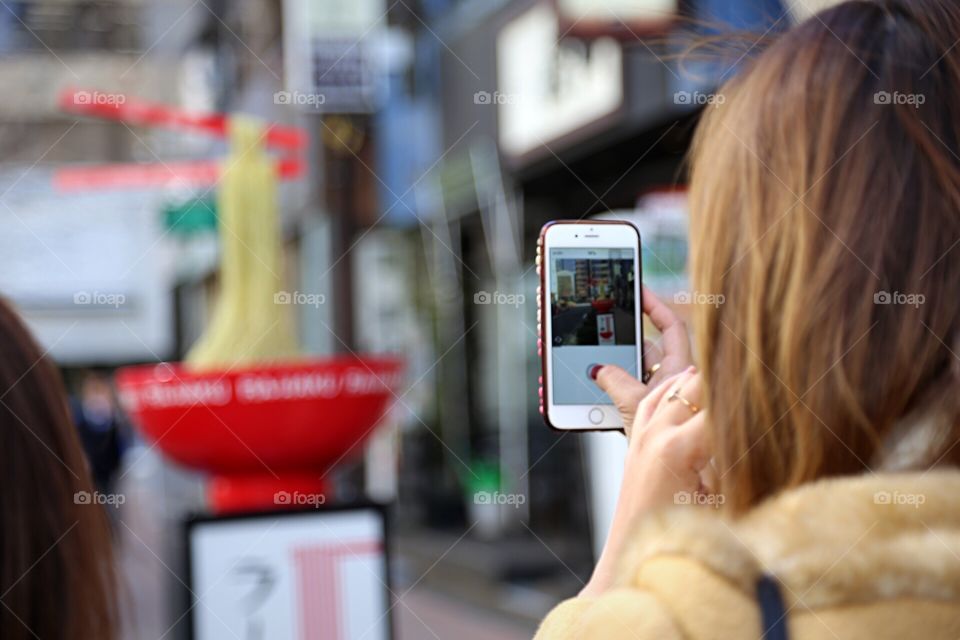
(618, 384)
(624, 390)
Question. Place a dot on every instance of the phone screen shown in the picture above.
(593, 314)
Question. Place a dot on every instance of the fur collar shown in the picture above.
(833, 542)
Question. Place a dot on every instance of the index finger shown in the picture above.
(676, 342)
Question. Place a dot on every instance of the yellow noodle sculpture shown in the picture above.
(250, 322)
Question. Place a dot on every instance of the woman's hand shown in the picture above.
(624, 390)
(668, 454)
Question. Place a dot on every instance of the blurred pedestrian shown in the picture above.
(817, 445)
(97, 418)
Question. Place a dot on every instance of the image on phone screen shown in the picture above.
(593, 311)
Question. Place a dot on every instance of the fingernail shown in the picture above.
(595, 371)
(691, 369)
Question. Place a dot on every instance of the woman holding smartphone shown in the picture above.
(817, 443)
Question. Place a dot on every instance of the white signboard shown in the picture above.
(318, 575)
(330, 54)
(617, 11)
(803, 10)
(91, 272)
(606, 330)
(548, 88)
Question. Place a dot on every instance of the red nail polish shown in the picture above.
(595, 371)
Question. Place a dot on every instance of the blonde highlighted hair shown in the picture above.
(825, 209)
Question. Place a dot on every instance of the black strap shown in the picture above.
(773, 615)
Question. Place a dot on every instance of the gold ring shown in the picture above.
(689, 405)
(649, 372)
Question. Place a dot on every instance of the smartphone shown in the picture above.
(589, 315)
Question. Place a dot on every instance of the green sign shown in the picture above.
(191, 217)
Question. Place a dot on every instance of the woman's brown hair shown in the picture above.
(825, 221)
(56, 560)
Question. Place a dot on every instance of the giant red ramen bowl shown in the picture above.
(265, 432)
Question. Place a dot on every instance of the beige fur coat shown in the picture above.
(875, 556)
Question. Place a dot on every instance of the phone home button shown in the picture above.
(595, 416)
